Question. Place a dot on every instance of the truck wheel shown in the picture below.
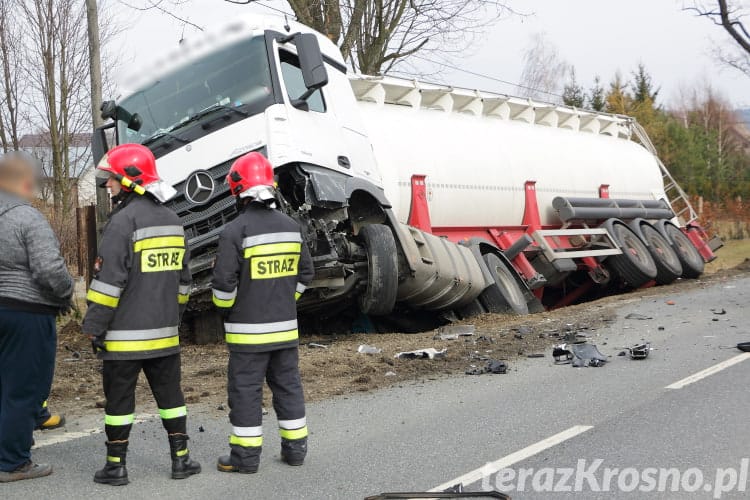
(503, 296)
(382, 270)
(634, 265)
(691, 260)
(668, 267)
(473, 308)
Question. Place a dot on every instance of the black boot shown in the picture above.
(293, 452)
(245, 460)
(114, 472)
(182, 466)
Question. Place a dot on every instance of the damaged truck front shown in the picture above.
(257, 86)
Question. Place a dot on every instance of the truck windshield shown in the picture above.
(235, 80)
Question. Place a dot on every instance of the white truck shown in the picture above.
(412, 196)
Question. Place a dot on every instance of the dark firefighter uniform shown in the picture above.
(262, 267)
(141, 285)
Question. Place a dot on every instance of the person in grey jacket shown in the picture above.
(35, 286)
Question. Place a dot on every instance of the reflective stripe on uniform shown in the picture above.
(155, 333)
(246, 442)
(273, 249)
(142, 345)
(170, 413)
(155, 231)
(247, 431)
(278, 326)
(160, 242)
(102, 299)
(119, 419)
(293, 424)
(263, 239)
(261, 333)
(105, 288)
(261, 338)
(141, 340)
(224, 299)
(293, 434)
(184, 290)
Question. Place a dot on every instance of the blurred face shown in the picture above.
(114, 186)
(18, 177)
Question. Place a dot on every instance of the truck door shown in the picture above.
(314, 132)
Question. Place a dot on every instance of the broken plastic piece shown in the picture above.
(744, 346)
(585, 354)
(429, 353)
(719, 313)
(315, 345)
(640, 351)
(561, 353)
(368, 349)
(493, 366)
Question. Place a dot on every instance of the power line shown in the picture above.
(488, 77)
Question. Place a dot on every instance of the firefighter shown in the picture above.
(261, 268)
(139, 291)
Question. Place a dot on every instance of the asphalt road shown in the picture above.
(540, 415)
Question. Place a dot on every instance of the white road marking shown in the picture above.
(502, 463)
(49, 438)
(709, 371)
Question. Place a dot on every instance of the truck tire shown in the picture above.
(634, 265)
(503, 296)
(379, 297)
(691, 260)
(668, 266)
(473, 308)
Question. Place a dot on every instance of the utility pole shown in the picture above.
(95, 74)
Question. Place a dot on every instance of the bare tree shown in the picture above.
(543, 71)
(11, 83)
(729, 15)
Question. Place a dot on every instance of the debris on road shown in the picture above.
(561, 354)
(494, 366)
(622, 353)
(315, 345)
(453, 332)
(585, 354)
(744, 346)
(390, 374)
(671, 302)
(640, 351)
(720, 312)
(535, 355)
(368, 349)
(429, 353)
(638, 316)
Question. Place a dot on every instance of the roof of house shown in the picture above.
(43, 140)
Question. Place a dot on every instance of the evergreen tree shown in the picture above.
(596, 95)
(573, 94)
(643, 87)
(618, 99)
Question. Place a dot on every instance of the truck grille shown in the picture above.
(203, 222)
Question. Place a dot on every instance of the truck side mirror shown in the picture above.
(311, 63)
(99, 146)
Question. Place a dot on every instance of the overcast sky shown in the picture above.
(596, 36)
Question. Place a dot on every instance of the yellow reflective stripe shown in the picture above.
(159, 242)
(181, 453)
(44, 405)
(170, 413)
(102, 299)
(223, 303)
(137, 188)
(110, 458)
(119, 419)
(272, 248)
(297, 295)
(261, 338)
(183, 298)
(254, 442)
(141, 345)
(294, 433)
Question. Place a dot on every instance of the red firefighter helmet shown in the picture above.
(250, 170)
(131, 164)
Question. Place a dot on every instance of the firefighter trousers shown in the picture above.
(119, 380)
(247, 371)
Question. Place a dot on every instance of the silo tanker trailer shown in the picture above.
(411, 195)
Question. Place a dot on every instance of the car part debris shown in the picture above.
(640, 351)
(744, 346)
(484, 338)
(535, 355)
(622, 353)
(458, 330)
(368, 349)
(315, 345)
(201, 429)
(670, 302)
(390, 374)
(585, 354)
(494, 366)
(562, 354)
(638, 316)
(719, 313)
(429, 353)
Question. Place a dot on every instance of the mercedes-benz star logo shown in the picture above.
(199, 188)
